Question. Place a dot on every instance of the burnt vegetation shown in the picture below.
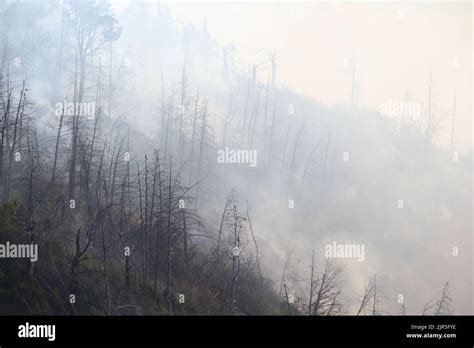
(131, 215)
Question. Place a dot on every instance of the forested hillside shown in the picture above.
(157, 177)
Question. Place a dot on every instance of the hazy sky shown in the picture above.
(395, 45)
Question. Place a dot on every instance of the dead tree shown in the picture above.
(56, 149)
(160, 220)
(236, 251)
(311, 286)
(182, 109)
(327, 289)
(285, 268)
(257, 255)
(441, 305)
(287, 298)
(283, 158)
(368, 295)
(201, 148)
(80, 252)
(168, 273)
(191, 159)
(16, 123)
(229, 201)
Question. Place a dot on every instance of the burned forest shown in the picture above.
(146, 170)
